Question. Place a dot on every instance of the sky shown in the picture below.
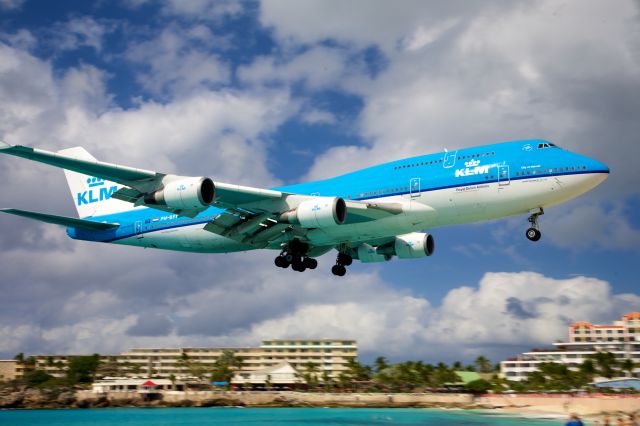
(277, 92)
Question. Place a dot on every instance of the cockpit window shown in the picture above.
(547, 145)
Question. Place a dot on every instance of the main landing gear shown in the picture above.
(533, 233)
(294, 254)
(342, 261)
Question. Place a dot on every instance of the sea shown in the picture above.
(264, 417)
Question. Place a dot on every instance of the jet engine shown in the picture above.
(410, 246)
(184, 194)
(320, 212)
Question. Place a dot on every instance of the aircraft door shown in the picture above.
(449, 159)
(503, 175)
(414, 187)
(138, 229)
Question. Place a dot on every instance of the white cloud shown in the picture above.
(422, 36)
(359, 22)
(319, 67)
(172, 64)
(580, 226)
(79, 32)
(318, 116)
(11, 4)
(203, 9)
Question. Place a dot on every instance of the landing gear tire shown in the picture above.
(533, 234)
(281, 262)
(344, 259)
(310, 263)
(338, 270)
(298, 267)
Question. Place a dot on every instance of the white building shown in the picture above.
(134, 385)
(278, 376)
(622, 338)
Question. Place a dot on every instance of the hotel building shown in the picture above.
(622, 338)
(328, 355)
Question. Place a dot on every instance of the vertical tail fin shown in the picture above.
(92, 195)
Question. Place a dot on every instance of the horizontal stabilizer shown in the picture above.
(62, 220)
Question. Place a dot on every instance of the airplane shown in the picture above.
(372, 214)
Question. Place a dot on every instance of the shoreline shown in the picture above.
(543, 406)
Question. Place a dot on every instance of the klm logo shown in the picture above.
(472, 168)
(97, 192)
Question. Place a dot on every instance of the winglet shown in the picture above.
(4, 145)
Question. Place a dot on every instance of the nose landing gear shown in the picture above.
(533, 233)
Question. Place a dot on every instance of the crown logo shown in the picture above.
(472, 163)
(94, 181)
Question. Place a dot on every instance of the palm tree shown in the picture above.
(606, 363)
(483, 364)
(381, 364)
(628, 366)
(311, 374)
(327, 382)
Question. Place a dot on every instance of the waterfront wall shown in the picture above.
(298, 398)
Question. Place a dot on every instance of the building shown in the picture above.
(8, 369)
(329, 356)
(622, 338)
(135, 385)
(280, 376)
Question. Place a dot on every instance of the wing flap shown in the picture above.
(62, 220)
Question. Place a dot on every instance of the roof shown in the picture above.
(135, 382)
(466, 377)
(632, 315)
(284, 366)
(619, 383)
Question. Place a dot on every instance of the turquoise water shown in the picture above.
(259, 417)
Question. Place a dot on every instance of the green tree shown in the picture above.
(483, 364)
(311, 374)
(327, 382)
(223, 368)
(606, 363)
(82, 369)
(381, 364)
(628, 366)
(443, 374)
(37, 377)
(19, 357)
(478, 386)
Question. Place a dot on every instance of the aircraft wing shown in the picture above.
(251, 215)
(62, 220)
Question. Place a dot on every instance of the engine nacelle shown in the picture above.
(320, 212)
(184, 194)
(413, 245)
(368, 254)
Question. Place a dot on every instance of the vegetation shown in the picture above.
(408, 376)
(225, 365)
(82, 369)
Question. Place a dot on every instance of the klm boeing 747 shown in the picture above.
(371, 214)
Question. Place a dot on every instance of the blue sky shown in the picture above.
(275, 92)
